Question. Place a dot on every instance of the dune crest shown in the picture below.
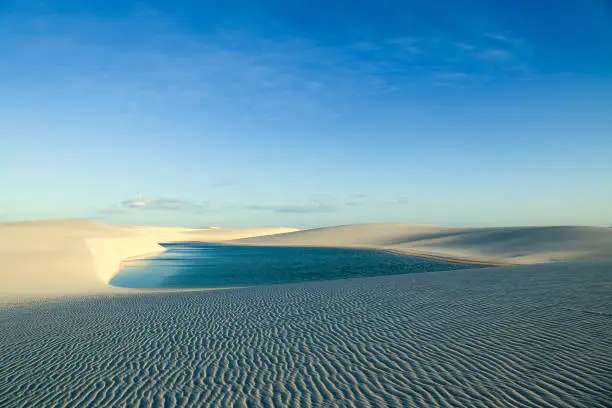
(508, 245)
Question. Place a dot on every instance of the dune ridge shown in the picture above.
(495, 246)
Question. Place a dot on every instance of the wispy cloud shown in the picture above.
(496, 54)
(304, 209)
(236, 71)
(453, 76)
(465, 46)
(498, 37)
(165, 204)
(114, 210)
(293, 209)
(411, 45)
(364, 46)
(226, 183)
(356, 200)
(403, 200)
(360, 196)
(238, 68)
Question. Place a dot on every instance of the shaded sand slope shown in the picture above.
(67, 257)
(53, 257)
(521, 336)
(514, 245)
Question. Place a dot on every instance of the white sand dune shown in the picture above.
(68, 257)
(76, 257)
(172, 234)
(520, 336)
(514, 336)
(510, 245)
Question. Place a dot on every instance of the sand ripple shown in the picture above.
(537, 336)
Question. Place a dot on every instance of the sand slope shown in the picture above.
(171, 234)
(522, 336)
(67, 257)
(515, 245)
(52, 257)
(517, 336)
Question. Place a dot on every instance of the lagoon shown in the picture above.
(203, 265)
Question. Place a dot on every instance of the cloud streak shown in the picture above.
(293, 209)
(497, 55)
(229, 183)
(237, 69)
(164, 204)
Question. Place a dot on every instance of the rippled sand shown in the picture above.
(532, 336)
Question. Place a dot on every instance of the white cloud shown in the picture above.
(498, 37)
(452, 76)
(137, 203)
(465, 46)
(496, 54)
(303, 209)
(237, 69)
(165, 204)
(293, 209)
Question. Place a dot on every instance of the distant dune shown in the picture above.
(71, 257)
(68, 257)
(510, 245)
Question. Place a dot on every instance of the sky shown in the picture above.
(241, 113)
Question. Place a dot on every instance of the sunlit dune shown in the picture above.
(534, 334)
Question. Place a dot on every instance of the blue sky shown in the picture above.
(307, 113)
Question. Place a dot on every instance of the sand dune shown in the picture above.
(52, 257)
(68, 257)
(517, 336)
(512, 245)
(522, 336)
(172, 234)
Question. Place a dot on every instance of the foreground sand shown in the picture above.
(529, 335)
(521, 336)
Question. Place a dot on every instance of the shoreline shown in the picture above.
(416, 254)
(449, 259)
(50, 259)
(128, 291)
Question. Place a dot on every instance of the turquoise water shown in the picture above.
(198, 265)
